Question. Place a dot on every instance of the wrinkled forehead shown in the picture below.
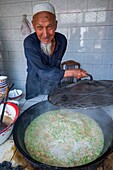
(44, 16)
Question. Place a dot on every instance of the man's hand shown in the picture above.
(77, 73)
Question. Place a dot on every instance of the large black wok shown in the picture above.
(104, 120)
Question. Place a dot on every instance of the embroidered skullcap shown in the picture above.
(44, 6)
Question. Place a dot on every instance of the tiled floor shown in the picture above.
(8, 151)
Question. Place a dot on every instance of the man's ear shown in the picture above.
(33, 24)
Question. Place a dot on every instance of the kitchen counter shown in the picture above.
(8, 151)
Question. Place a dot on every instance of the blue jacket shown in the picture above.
(44, 72)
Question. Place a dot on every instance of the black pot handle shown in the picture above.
(88, 75)
(91, 77)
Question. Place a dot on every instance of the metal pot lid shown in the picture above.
(84, 94)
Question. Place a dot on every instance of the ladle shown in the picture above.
(2, 125)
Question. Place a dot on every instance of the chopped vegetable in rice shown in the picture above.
(64, 138)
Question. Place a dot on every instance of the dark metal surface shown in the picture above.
(83, 94)
(100, 116)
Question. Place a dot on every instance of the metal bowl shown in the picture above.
(15, 94)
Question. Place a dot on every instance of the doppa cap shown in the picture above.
(44, 6)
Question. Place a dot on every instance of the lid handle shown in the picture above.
(88, 75)
(91, 77)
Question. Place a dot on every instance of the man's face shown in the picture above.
(45, 24)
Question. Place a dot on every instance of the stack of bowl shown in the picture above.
(3, 86)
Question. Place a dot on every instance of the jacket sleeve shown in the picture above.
(35, 61)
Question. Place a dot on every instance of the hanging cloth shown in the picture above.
(25, 26)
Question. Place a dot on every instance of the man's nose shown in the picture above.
(45, 32)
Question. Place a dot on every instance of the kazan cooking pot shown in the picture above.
(100, 116)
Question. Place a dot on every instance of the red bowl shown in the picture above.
(11, 111)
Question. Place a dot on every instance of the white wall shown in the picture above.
(87, 24)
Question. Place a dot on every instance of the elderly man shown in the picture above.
(44, 50)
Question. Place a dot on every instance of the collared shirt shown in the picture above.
(44, 72)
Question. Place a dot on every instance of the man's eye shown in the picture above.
(50, 27)
(39, 28)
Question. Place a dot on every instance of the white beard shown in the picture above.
(46, 48)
